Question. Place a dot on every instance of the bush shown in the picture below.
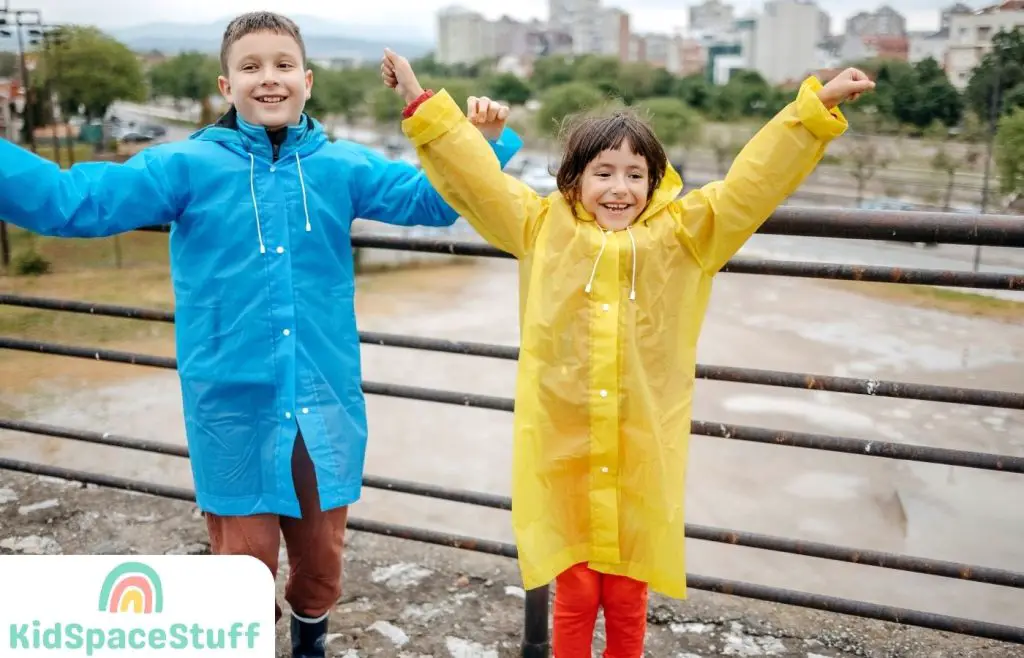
(31, 263)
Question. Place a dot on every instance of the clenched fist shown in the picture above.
(397, 73)
(847, 86)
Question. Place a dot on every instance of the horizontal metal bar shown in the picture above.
(722, 586)
(739, 265)
(862, 609)
(885, 225)
(475, 544)
(880, 559)
(806, 381)
(886, 449)
(898, 225)
(876, 274)
(160, 448)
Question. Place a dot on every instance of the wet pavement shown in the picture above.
(923, 510)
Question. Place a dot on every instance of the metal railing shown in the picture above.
(990, 230)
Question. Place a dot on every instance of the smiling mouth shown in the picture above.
(271, 100)
(616, 207)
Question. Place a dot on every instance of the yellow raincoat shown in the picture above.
(605, 378)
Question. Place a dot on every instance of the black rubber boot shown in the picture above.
(309, 639)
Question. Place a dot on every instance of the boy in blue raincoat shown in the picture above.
(260, 207)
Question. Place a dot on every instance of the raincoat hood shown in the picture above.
(610, 322)
(668, 190)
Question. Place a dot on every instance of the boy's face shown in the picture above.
(266, 81)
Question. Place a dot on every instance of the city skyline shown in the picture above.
(419, 19)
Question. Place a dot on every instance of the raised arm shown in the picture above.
(716, 220)
(456, 158)
(89, 200)
(395, 192)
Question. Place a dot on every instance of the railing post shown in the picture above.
(535, 631)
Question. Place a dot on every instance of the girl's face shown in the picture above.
(614, 187)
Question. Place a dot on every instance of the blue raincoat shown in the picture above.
(261, 263)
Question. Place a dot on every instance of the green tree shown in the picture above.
(341, 92)
(945, 162)
(673, 121)
(385, 106)
(603, 72)
(95, 70)
(559, 102)
(189, 75)
(1010, 153)
(552, 71)
(695, 91)
(509, 88)
(1000, 74)
(864, 158)
(935, 98)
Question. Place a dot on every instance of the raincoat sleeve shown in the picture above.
(89, 200)
(504, 211)
(716, 220)
(395, 192)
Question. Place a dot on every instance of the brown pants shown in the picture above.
(314, 543)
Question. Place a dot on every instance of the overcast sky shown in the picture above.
(418, 15)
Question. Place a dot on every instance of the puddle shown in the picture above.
(822, 485)
(831, 417)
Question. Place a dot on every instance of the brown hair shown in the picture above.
(589, 135)
(258, 21)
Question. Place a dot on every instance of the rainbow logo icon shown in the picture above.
(132, 587)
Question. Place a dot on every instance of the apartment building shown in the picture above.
(884, 22)
(935, 44)
(711, 16)
(786, 40)
(970, 37)
(463, 36)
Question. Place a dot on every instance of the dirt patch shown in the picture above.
(413, 600)
(960, 302)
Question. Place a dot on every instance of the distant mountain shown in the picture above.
(323, 38)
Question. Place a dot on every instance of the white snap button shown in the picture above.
(604, 393)
(286, 332)
(604, 469)
(605, 308)
(273, 169)
(305, 410)
(287, 414)
(280, 250)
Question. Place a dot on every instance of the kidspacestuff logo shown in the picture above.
(132, 587)
(219, 604)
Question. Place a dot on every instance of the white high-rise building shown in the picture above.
(788, 34)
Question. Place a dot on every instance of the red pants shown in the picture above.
(314, 543)
(579, 592)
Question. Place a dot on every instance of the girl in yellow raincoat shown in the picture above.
(615, 272)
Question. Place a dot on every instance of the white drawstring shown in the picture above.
(632, 285)
(593, 273)
(302, 184)
(604, 241)
(255, 206)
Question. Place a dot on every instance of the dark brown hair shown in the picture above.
(258, 21)
(590, 134)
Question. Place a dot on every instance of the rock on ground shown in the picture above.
(409, 600)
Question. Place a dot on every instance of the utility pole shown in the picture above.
(992, 120)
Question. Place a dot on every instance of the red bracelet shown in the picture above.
(410, 109)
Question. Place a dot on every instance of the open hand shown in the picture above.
(488, 116)
(847, 86)
(397, 73)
